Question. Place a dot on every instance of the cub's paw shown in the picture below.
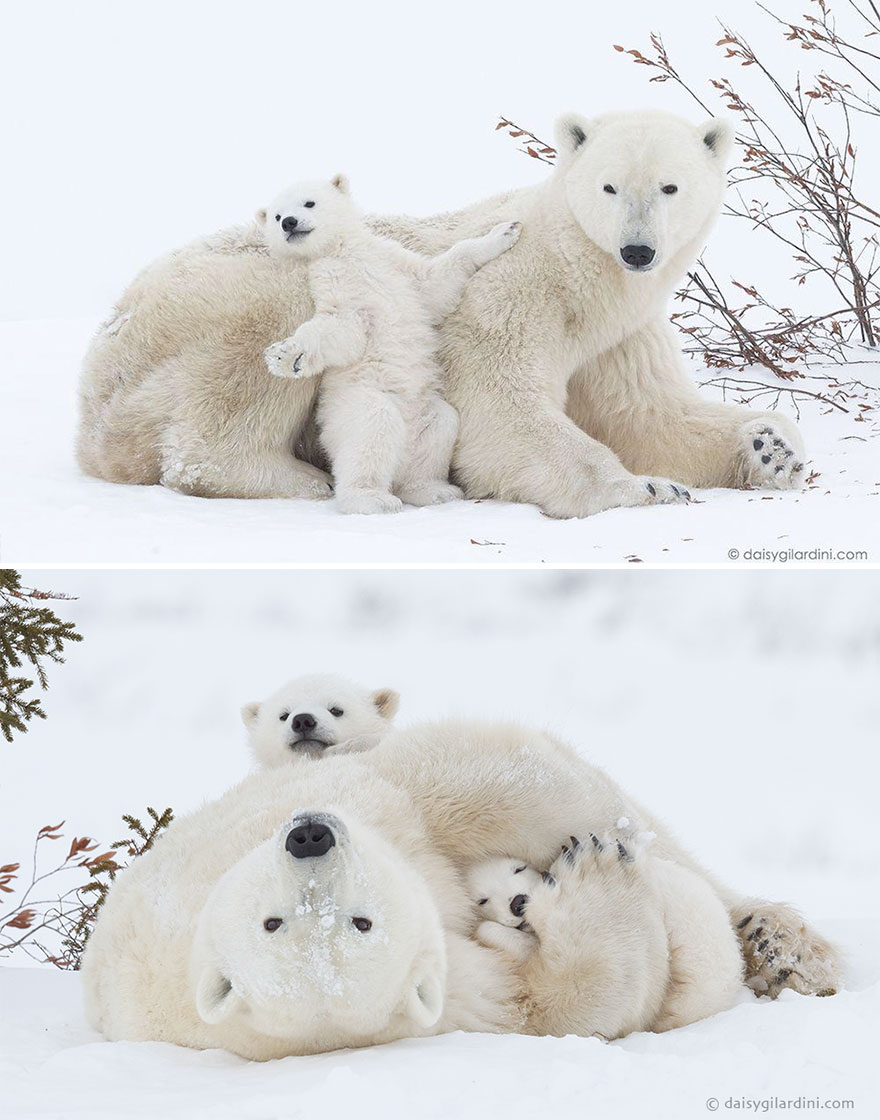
(431, 494)
(497, 241)
(353, 500)
(781, 951)
(662, 492)
(769, 456)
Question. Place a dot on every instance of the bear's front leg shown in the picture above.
(601, 965)
(297, 356)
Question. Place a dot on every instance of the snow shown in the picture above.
(52, 513)
(741, 706)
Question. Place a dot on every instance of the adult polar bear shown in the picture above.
(560, 359)
(323, 905)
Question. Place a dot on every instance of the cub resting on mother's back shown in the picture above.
(320, 906)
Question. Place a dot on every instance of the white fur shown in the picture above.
(560, 361)
(181, 933)
(382, 419)
(345, 718)
(696, 971)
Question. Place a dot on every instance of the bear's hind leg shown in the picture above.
(364, 434)
(424, 478)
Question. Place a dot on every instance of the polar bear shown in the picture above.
(698, 970)
(317, 715)
(326, 906)
(381, 417)
(559, 360)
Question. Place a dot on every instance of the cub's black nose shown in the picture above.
(518, 904)
(636, 256)
(289, 224)
(309, 839)
(305, 721)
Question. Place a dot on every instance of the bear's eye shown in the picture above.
(277, 217)
(517, 870)
(308, 205)
(271, 924)
(284, 716)
(363, 924)
(337, 712)
(670, 188)
(482, 901)
(608, 189)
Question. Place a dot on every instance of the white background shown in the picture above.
(129, 128)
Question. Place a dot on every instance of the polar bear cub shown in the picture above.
(316, 715)
(701, 971)
(382, 421)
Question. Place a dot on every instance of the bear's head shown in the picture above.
(311, 715)
(322, 937)
(500, 889)
(308, 218)
(643, 186)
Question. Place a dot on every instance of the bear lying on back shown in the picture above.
(383, 423)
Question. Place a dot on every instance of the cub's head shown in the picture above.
(643, 186)
(322, 937)
(500, 888)
(307, 218)
(315, 714)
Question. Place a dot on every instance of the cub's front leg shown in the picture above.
(601, 965)
(447, 274)
(325, 341)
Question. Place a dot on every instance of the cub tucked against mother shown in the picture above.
(322, 905)
(560, 359)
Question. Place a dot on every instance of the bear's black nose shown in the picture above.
(309, 839)
(636, 256)
(289, 224)
(518, 904)
(305, 721)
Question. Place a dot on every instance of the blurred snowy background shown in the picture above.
(138, 128)
(742, 707)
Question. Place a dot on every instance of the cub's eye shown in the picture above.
(271, 924)
(308, 205)
(517, 870)
(277, 217)
(608, 189)
(482, 901)
(363, 924)
(337, 712)
(670, 188)
(284, 716)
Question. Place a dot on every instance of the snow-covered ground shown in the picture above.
(740, 705)
(51, 514)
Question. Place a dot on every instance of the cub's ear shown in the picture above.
(340, 182)
(250, 713)
(570, 133)
(387, 702)
(215, 999)
(424, 1004)
(718, 136)
(261, 216)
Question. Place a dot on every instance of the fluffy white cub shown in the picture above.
(317, 715)
(382, 419)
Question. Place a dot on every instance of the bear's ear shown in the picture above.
(425, 1002)
(215, 999)
(570, 133)
(340, 182)
(387, 702)
(250, 713)
(718, 135)
(261, 215)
